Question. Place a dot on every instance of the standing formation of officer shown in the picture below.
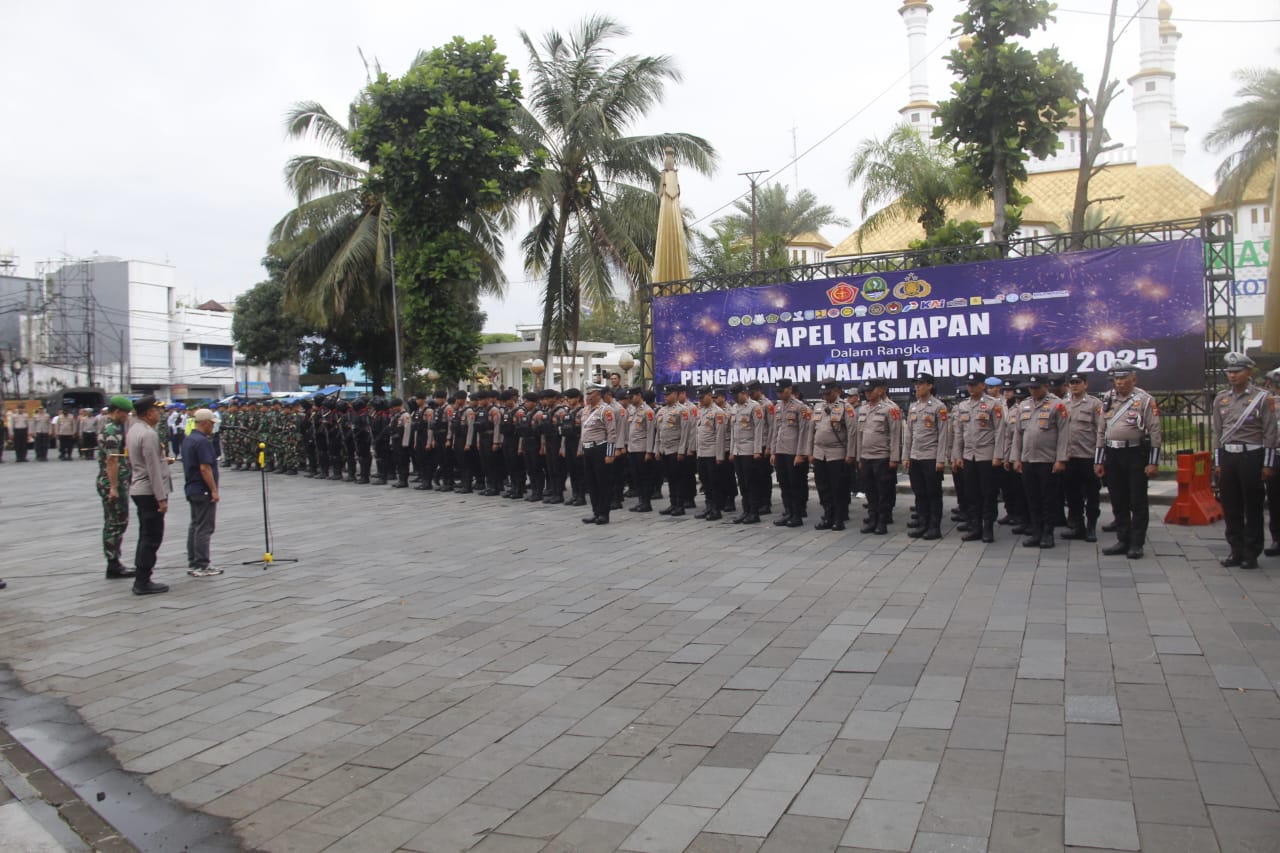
(1127, 455)
(1244, 458)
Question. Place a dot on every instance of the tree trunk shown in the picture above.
(999, 191)
(1091, 145)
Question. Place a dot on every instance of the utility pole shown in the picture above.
(31, 349)
(89, 311)
(752, 177)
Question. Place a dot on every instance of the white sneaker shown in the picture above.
(207, 572)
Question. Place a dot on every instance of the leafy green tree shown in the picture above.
(1007, 103)
(780, 218)
(263, 331)
(1253, 126)
(950, 243)
(594, 192)
(908, 175)
(724, 251)
(616, 321)
(447, 157)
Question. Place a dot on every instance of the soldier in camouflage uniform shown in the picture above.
(230, 425)
(163, 433)
(114, 473)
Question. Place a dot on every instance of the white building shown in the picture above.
(510, 365)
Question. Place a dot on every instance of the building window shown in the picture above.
(192, 347)
(915, 118)
(1151, 86)
(1266, 215)
(215, 355)
(1253, 215)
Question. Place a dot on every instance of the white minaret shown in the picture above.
(919, 110)
(1169, 38)
(1152, 92)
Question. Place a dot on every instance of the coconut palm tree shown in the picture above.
(909, 176)
(593, 202)
(780, 218)
(1253, 126)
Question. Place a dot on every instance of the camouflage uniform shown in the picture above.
(115, 512)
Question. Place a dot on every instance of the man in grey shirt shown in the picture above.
(149, 489)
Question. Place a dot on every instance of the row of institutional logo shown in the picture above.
(908, 295)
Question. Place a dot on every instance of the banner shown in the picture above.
(1048, 315)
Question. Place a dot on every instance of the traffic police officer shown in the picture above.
(877, 450)
(1039, 454)
(640, 436)
(1081, 484)
(599, 443)
(792, 433)
(829, 444)
(978, 426)
(1127, 454)
(747, 442)
(924, 453)
(1244, 430)
(711, 444)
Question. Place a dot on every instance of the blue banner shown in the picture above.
(1050, 314)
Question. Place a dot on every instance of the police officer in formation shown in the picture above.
(735, 440)
(1244, 458)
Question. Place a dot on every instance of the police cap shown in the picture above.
(737, 388)
(1123, 368)
(1077, 377)
(704, 390)
(1037, 381)
(832, 385)
(976, 377)
(924, 378)
(1238, 361)
(754, 385)
(876, 383)
(784, 383)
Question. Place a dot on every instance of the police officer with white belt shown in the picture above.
(1244, 456)
(599, 444)
(1127, 454)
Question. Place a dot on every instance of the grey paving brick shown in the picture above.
(871, 725)
(1101, 823)
(1169, 801)
(708, 787)
(1241, 677)
(906, 781)
(629, 801)
(1017, 832)
(750, 812)
(829, 796)
(1237, 785)
(883, 825)
(959, 811)
(1093, 709)
(548, 815)
(668, 829)
(933, 842)
(929, 714)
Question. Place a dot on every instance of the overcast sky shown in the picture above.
(153, 130)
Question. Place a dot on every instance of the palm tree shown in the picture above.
(909, 175)
(593, 202)
(1252, 125)
(780, 219)
(339, 235)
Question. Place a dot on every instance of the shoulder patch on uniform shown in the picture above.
(760, 412)
(608, 414)
(719, 419)
(942, 413)
(807, 414)
(686, 415)
(896, 413)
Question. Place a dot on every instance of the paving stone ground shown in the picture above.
(441, 673)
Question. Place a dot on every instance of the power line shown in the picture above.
(1179, 19)
(776, 172)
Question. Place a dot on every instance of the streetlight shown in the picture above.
(626, 362)
(537, 368)
(395, 300)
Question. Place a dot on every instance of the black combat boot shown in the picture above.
(988, 532)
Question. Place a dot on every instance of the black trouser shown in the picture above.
(66, 446)
(322, 456)
(981, 490)
(729, 483)
(764, 483)
(1044, 497)
(641, 475)
(364, 453)
(832, 480)
(574, 468)
(514, 462)
(1082, 487)
(309, 446)
(747, 468)
(1127, 483)
(403, 456)
(1015, 496)
(42, 446)
(618, 479)
(675, 483)
(490, 461)
(689, 470)
(957, 481)
(20, 444)
(89, 443)
(1273, 504)
(792, 482)
(150, 535)
(349, 442)
(598, 479)
(1241, 491)
(880, 482)
(535, 465)
(463, 462)
(709, 474)
(557, 466)
(443, 459)
(926, 485)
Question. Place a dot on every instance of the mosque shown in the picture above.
(1141, 183)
